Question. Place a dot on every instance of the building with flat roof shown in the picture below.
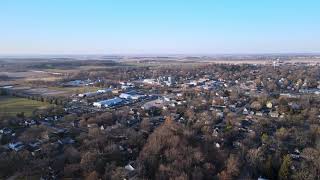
(108, 103)
(133, 95)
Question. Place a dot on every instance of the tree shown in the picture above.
(265, 138)
(33, 133)
(92, 176)
(145, 124)
(9, 163)
(311, 163)
(118, 174)
(256, 105)
(232, 168)
(88, 160)
(271, 86)
(168, 153)
(252, 158)
(72, 155)
(72, 171)
(282, 134)
(284, 172)
(21, 115)
(70, 117)
(224, 175)
(94, 132)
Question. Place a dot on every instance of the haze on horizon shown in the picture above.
(159, 27)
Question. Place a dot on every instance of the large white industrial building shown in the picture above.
(108, 103)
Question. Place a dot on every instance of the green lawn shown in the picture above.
(13, 105)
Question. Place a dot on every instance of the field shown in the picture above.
(74, 90)
(13, 105)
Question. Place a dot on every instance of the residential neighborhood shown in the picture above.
(251, 116)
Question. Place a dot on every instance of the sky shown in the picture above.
(159, 26)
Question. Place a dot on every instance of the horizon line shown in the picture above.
(35, 55)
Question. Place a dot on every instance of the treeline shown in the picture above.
(70, 63)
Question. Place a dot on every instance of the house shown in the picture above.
(126, 85)
(88, 94)
(288, 95)
(295, 155)
(245, 123)
(150, 81)
(29, 122)
(101, 91)
(269, 105)
(6, 131)
(6, 87)
(108, 103)
(192, 83)
(158, 103)
(115, 91)
(58, 133)
(91, 94)
(274, 114)
(310, 91)
(79, 83)
(236, 144)
(132, 121)
(245, 111)
(259, 113)
(75, 123)
(66, 140)
(34, 147)
(219, 128)
(36, 152)
(260, 178)
(16, 146)
(215, 132)
(232, 107)
(131, 172)
(130, 166)
(93, 125)
(34, 144)
(294, 106)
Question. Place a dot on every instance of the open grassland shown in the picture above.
(75, 90)
(13, 105)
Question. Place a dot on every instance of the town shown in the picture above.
(145, 118)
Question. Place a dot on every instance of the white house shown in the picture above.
(88, 94)
(101, 91)
(150, 81)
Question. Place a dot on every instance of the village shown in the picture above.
(250, 106)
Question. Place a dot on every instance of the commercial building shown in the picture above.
(131, 95)
(108, 103)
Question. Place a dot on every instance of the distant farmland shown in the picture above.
(13, 105)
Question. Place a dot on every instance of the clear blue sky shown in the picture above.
(159, 26)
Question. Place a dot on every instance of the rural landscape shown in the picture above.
(160, 118)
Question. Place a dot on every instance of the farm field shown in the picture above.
(13, 105)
